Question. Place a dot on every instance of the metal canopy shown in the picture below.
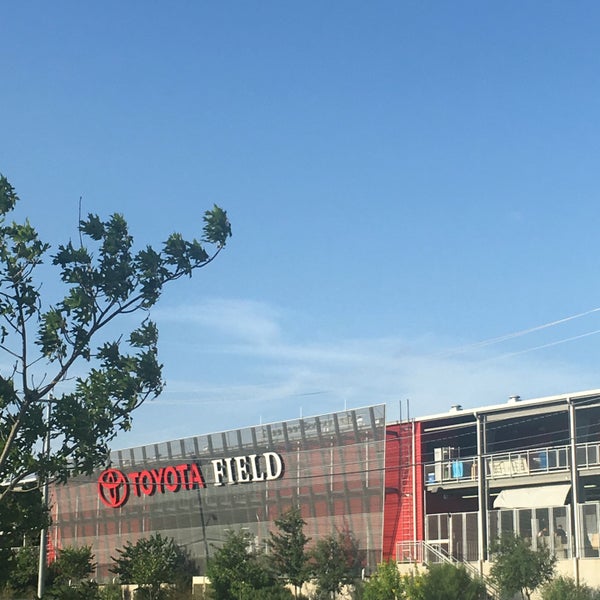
(533, 497)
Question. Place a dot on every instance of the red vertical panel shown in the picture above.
(391, 507)
(405, 532)
(420, 482)
(403, 501)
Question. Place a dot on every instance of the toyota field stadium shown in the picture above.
(437, 488)
(196, 489)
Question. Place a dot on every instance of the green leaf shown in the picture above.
(216, 226)
(8, 197)
(93, 227)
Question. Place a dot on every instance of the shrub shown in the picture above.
(449, 582)
(385, 584)
(565, 588)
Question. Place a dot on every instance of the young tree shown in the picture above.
(72, 565)
(336, 561)
(151, 562)
(69, 575)
(385, 584)
(517, 568)
(44, 338)
(288, 558)
(236, 571)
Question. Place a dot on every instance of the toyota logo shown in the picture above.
(113, 488)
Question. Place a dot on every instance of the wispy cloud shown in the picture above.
(258, 370)
(244, 320)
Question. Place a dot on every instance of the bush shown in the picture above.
(385, 583)
(270, 593)
(448, 582)
(112, 591)
(87, 590)
(23, 572)
(565, 588)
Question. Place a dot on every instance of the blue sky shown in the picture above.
(405, 180)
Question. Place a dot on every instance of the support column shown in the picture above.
(481, 492)
(575, 516)
(43, 556)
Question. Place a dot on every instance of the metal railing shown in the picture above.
(518, 463)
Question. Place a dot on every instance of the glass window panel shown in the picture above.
(433, 530)
(472, 542)
(493, 525)
(592, 454)
(525, 524)
(542, 521)
(443, 527)
(542, 527)
(216, 442)
(591, 543)
(507, 521)
(457, 537)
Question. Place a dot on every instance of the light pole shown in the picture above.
(44, 532)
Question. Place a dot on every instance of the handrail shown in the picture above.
(439, 551)
(516, 463)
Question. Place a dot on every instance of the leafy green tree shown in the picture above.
(72, 566)
(22, 570)
(385, 584)
(288, 558)
(517, 568)
(565, 588)
(336, 561)
(44, 339)
(450, 582)
(21, 518)
(151, 562)
(237, 572)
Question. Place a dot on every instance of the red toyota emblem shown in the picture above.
(113, 488)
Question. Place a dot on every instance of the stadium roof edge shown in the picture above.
(334, 412)
(511, 404)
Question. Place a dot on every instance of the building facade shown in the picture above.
(196, 489)
(437, 488)
(526, 467)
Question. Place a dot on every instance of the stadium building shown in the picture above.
(437, 488)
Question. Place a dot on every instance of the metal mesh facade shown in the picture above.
(196, 489)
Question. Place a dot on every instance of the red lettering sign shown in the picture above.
(114, 485)
(113, 488)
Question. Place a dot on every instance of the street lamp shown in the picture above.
(44, 532)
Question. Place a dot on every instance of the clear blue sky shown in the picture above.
(404, 180)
